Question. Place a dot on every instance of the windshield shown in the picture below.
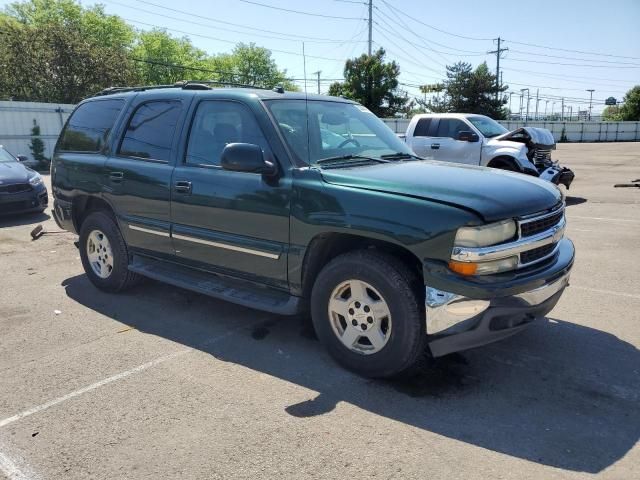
(333, 129)
(6, 156)
(487, 126)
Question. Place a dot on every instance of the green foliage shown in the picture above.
(470, 91)
(611, 113)
(61, 51)
(372, 82)
(630, 109)
(37, 147)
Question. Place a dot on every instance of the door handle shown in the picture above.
(116, 177)
(182, 187)
(435, 146)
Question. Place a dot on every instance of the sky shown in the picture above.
(557, 48)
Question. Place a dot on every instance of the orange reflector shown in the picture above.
(463, 268)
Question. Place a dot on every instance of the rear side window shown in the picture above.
(422, 128)
(450, 127)
(89, 126)
(150, 131)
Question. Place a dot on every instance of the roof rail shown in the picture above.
(185, 85)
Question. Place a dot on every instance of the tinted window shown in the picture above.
(217, 123)
(89, 126)
(422, 128)
(150, 131)
(450, 127)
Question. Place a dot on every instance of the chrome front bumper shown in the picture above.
(456, 322)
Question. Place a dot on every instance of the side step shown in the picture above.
(217, 286)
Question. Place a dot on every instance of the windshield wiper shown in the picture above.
(351, 157)
(400, 156)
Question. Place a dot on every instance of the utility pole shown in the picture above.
(318, 74)
(498, 51)
(590, 90)
(537, 100)
(510, 111)
(370, 25)
(562, 114)
(546, 103)
(526, 118)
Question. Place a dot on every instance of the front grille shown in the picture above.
(536, 254)
(542, 155)
(536, 226)
(15, 188)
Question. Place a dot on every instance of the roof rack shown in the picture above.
(185, 85)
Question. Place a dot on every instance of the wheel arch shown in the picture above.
(500, 160)
(325, 247)
(83, 205)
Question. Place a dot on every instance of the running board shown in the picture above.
(217, 286)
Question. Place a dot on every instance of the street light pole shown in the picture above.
(590, 90)
(546, 102)
(526, 118)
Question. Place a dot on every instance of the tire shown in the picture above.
(113, 275)
(402, 331)
(504, 163)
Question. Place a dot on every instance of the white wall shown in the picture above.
(16, 122)
(574, 131)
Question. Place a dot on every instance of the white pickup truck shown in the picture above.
(478, 140)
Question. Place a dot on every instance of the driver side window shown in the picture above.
(450, 127)
(216, 124)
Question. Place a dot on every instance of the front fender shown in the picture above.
(519, 155)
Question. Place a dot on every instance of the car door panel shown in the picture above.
(452, 150)
(234, 222)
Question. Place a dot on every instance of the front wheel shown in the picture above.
(367, 311)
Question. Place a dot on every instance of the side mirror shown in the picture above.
(22, 158)
(246, 157)
(468, 136)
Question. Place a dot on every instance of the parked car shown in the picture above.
(22, 190)
(249, 196)
(479, 140)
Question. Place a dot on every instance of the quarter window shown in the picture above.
(150, 131)
(216, 124)
(89, 126)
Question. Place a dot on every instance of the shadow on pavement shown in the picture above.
(570, 201)
(23, 219)
(558, 394)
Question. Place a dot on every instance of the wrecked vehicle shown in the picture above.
(479, 140)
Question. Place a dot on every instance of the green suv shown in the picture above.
(291, 204)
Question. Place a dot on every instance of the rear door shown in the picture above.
(448, 148)
(234, 222)
(138, 175)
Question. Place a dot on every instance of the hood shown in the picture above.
(490, 193)
(14, 172)
(532, 137)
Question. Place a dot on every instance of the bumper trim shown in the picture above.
(455, 322)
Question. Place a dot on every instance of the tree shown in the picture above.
(611, 113)
(470, 91)
(37, 147)
(372, 82)
(630, 109)
(59, 51)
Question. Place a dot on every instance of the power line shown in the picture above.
(572, 58)
(215, 20)
(287, 52)
(431, 26)
(569, 64)
(394, 32)
(298, 11)
(572, 51)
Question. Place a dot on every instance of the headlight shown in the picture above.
(485, 235)
(35, 180)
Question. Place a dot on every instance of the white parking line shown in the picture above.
(606, 292)
(119, 376)
(14, 469)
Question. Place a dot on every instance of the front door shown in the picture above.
(449, 148)
(138, 182)
(233, 222)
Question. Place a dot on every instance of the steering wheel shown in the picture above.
(350, 140)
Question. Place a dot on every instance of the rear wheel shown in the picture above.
(104, 254)
(367, 311)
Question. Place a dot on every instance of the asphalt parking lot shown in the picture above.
(164, 383)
